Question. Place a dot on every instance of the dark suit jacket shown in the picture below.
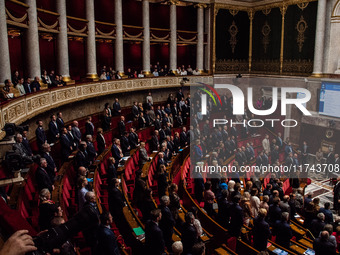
(162, 184)
(106, 122)
(121, 127)
(154, 240)
(91, 151)
(107, 242)
(316, 227)
(27, 146)
(141, 122)
(157, 124)
(283, 233)
(183, 139)
(167, 222)
(261, 233)
(133, 140)
(223, 212)
(41, 136)
(60, 123)
(43, 179)
(154, 143)
(65, 146)
(50, 165)
(54, 130)
(135, 111)
(322, 247)
(143, 157)
(111, 172)
(236, 219)
(274, 213)
(115, 109)
(89, 130)
(124, 143)
(77, 135)
(189, 237)
(116, 201)
(115, 153)
(100, 144)
(82, 159)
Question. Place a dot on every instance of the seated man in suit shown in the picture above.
(101, 144)
(42, 178)
(154, 240)
(51, 166)
(107, 241)
(91, 151)
(53, 129)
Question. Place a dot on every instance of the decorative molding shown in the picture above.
(233, 12)
(301, 27)
(232, 66)
(79, 31)
(266, 11)
(23, 108)
(48, 27)
(15, 19)
(109, 34)
(303, 5)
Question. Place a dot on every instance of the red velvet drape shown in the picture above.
(17, 57)
(77, 59)
(48, 57)
(105, 55)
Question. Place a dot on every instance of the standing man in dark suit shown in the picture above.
(43, 179)
(91, 151)
(124, 140)
(26, 143)
(274, 211)
(133, 138)
(111, 170)
(116, 200)
(76, 132)
(89, 127)
(283, 231)
(154, 240)
(116, 108)
(51, 168)
(154, 144)
(189, 233)
(60, 121)
(107, 241)
(167, 222)
(121, 126)
(116, 151)
(141, 121)
(143, 156)
(82, 158)
(183, 137)
(304, 152)
(53, 129)
(66, 145)
(101, 144)
(40, 135)
(236, 217)
(135, 111)
(223, 215)
(106, 123)
(71, 138)
(322, 245)
(261, 231)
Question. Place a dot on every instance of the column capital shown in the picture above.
(283, 9)
(201, 6)
(173, 2)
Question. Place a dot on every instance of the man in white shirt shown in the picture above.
(20, 87)
(155, 73)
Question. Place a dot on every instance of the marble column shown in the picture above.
(208, 45)
(5, 69)
(319, 38)
(119, 56)
(146, 34)
(91, 41)
(62, 42)
(200, 37)
(173, 35)
(32, 41)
